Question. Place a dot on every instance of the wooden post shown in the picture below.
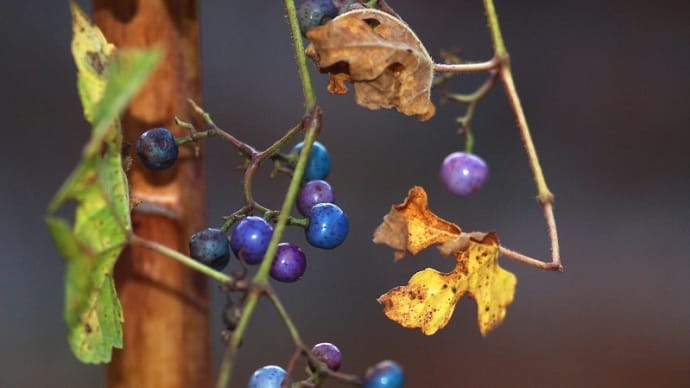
(166, 330)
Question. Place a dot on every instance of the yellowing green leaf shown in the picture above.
(107, 82)
(90, 247)
(92, 54)
(428, 300)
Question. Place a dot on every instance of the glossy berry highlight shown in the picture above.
(318, 164)
(210, 247)
(157, 149)
(250, 239)
(312, 13)
(463, 173)
(329, 354)
(328, 226)
(289, 263)
(385, 374)
(269, 376)
(313, 193)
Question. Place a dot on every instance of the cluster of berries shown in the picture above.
(327, 228)
(385, 374)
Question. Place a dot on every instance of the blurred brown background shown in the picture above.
(605, 86)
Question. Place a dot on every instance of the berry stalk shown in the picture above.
(544, 195)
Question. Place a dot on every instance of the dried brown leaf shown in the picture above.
(381, 56)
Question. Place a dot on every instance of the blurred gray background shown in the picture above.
(605, 87)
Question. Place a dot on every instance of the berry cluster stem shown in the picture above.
(500, 63)
(544, 195)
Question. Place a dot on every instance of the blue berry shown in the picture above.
(385, 374)
(329, 354)
(312, 13)
(289, 264)
(464, 174)
(250, 239)
(312, 193)
(269, 376)
(210, 246)
(157, 149)
(328, 226)
(318, 164)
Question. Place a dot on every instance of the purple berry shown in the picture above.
(210, 246)
(385, 374)
(250, 239)
(269, 376)
(312, 193)
(289, 264)
(329, 354)
(157, 149)
(463, 173)
(328, 226)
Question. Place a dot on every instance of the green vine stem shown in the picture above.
(302, 69)
(312, 125)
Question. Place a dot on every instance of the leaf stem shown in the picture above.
(544, 195)
(529, 261)
(184, 259)
(466, 67)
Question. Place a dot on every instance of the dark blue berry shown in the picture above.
(157, 149)
(269, 376)
(289, 263)
(385, 374)
(463, 174)
(250, 239)
(328, 226)
(312, 193)
(329, 354)
(210, 246)
(312, 13)
(318, 164)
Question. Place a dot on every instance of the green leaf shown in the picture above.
(107, 81)
(92, 311)
(124, 77)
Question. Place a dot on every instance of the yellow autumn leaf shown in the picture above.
(428, 300)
